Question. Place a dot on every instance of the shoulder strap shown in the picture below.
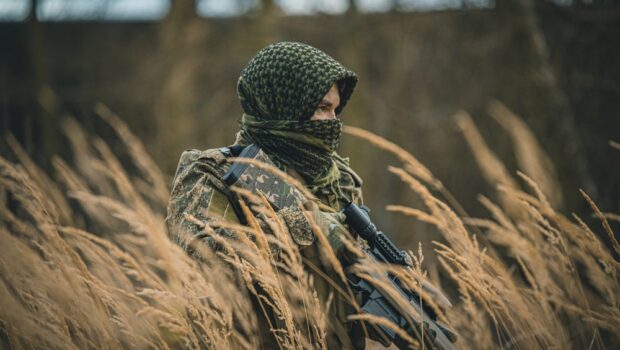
(236, 169)
(233, 173)
(232, 151)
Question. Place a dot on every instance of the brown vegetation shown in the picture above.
(85, 261)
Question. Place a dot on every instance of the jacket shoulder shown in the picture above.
(198, 172)
(197, 191)
(213, 157)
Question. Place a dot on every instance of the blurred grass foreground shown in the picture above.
(85, 261)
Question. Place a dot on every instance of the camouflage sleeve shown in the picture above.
(331, 223)
(298, 225)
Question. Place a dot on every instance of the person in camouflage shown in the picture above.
(291, 95)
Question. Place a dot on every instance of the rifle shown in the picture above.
(377, 303)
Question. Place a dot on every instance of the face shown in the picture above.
(327, 107)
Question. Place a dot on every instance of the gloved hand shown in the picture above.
(330, 223)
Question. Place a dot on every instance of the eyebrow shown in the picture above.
(326, 103)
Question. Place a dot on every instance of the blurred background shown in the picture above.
(169, 70)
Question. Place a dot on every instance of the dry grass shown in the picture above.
(85, 261)
(531, 157)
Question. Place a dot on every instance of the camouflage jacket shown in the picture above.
(199, 195)
(199, 192)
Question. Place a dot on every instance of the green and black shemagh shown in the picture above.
(279, 91)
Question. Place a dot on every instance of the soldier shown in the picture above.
(291, 94)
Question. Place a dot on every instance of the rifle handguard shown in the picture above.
(359, 221)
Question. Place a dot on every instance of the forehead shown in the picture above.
(333, 94)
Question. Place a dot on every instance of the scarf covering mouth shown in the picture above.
(279, 91)
(308, 146)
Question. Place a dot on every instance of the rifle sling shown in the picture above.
(234, 173)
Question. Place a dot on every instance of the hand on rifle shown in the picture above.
(331, 223)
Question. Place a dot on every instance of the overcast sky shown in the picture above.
(155, 9)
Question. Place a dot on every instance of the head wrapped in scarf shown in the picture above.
(279, 91)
